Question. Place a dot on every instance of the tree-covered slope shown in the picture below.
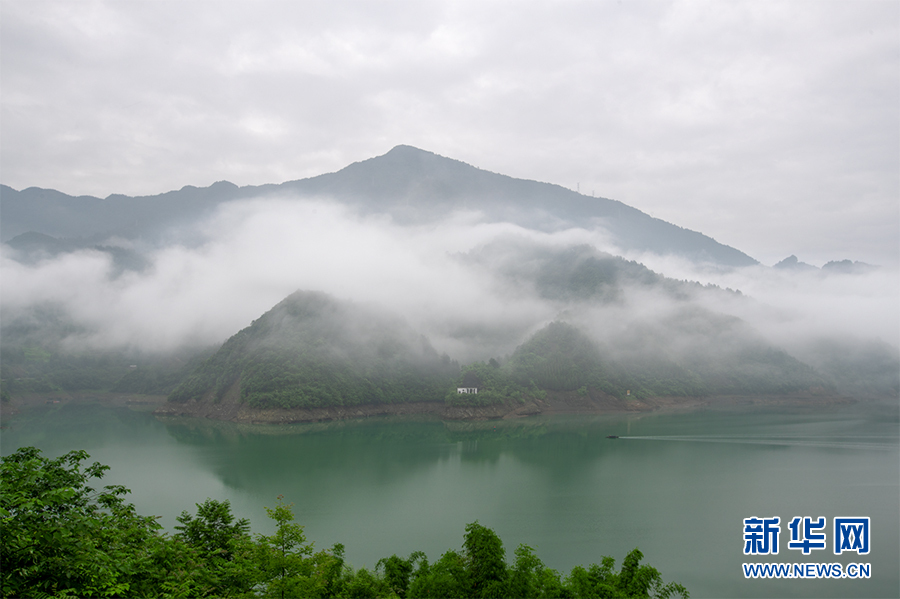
(575, 274)
(312, 350)
(560, 357)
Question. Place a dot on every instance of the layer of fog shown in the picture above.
(792, 306)
(255, 253)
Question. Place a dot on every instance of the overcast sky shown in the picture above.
(773, 127)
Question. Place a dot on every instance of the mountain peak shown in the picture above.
(410, 156)
(405, 149)
(793, 263)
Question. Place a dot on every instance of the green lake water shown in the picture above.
(677, 486)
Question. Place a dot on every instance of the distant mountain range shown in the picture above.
(792, 263)
(411, 185)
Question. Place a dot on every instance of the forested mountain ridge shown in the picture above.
(575, 274)
(560, 357)
(312, 350)
(411, 185)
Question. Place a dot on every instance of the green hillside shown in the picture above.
(577, 274)
(559, 357)
(312, 350)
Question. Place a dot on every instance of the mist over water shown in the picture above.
(206, 281)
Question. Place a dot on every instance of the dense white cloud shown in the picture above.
(255, 253)
(795, 306)
(771, 126)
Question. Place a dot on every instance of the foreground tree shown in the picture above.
(635, 581)
(398, 571)
(485, 562)
(448, 577)
(529, 577)
(223, 544)
(288, 566)
(60, 536)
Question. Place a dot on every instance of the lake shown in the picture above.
(676, 485)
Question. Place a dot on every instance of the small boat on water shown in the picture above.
(612, 436)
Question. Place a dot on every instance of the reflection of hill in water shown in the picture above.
(382, 450)
(291, 458)
(199, 431)
(193, 430)
(77, 424)
(392, 449)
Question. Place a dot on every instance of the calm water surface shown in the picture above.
(676, 485)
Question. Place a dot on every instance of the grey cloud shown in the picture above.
(770, 126)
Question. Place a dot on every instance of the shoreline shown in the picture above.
(554, 403)
(230, 409)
